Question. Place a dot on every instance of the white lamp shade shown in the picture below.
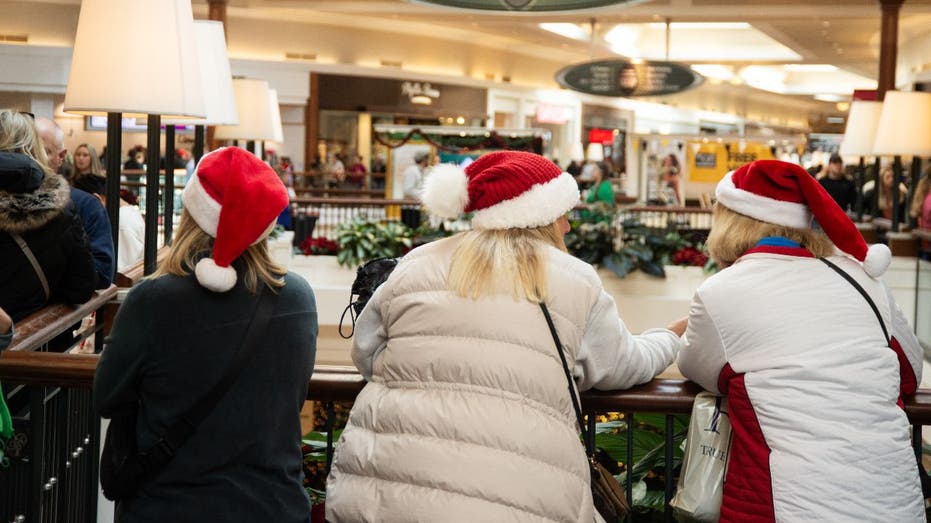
(215, 78)
(904, 125)
(252, 105)
(860, 134)
(595, 152)
(149, 67)
(275, 111)
(577, 152)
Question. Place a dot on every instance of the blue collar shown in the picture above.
(777, 241)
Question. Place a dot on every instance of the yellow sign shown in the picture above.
(708, 162)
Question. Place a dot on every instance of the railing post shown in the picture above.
(36, 452)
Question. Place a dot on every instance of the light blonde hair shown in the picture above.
(921, 191)
(732, 234)
(191, 244)
(506, 261)
(95, 167)
(18, 135)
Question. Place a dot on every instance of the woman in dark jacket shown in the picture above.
(176, 334)
(33, 209)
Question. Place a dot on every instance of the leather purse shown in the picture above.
(607, 495)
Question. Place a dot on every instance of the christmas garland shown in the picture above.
(464, 144)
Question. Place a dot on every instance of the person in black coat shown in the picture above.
(175, 335)
(34, 208)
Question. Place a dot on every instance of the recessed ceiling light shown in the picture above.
(565, 29)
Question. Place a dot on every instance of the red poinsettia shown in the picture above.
(689, 256)
(319, 245)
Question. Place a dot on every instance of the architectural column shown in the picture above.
(217, 12)
(888, 46)
(312, 122)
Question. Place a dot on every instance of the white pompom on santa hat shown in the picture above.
(236, 198)
(504, 190)
(785, 194)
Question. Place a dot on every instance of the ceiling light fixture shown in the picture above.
(567, 30)
(526, 5)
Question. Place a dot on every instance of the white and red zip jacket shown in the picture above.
(813, 389)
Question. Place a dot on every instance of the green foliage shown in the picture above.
(598, 237)
(648, 474)
(361, 241)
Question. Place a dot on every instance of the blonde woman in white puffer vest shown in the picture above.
(467, 415)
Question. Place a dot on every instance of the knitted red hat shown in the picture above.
(504, 190)
(235, 198)
(785, 194)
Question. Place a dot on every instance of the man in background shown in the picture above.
(93, 215)
(836, 182)
(413, 187)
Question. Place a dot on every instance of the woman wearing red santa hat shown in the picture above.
(181, 332)
(813, 385)
(467, 415)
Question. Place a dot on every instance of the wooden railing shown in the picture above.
(40, 327)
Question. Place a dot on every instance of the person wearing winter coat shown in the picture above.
(814, 390)
(34, 210)
(467, 415)
(175, 336)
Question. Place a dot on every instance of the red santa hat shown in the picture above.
(235, 198)
(785, 194)
(504, 190)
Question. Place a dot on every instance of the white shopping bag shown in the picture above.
(701, 483)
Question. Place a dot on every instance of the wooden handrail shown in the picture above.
(351, 202)
(922, 234)
(340, 383)
(42, 326)
(132, 275)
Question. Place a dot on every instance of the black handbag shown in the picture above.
(123, 468)
(922, 473)
(607, 495)
(368, 277)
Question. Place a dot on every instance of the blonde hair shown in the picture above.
(921, 191)
(191, 244)
(94, 168)
(506, 261)
(732, 234)
(18, 135)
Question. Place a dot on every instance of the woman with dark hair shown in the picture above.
(671, 178)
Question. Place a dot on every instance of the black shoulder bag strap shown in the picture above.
(164, 449)
(922, 473)
(589, 450)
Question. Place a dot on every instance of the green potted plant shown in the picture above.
(361, 241)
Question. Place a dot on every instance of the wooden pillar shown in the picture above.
(312, 122)
(216, 11)
(888, 46)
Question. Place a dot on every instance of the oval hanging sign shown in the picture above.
(626, 78)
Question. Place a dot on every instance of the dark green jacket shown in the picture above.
(171, 342)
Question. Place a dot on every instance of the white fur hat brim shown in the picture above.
(541, 205)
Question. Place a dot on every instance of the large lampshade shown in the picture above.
(135, 57)
(577, 152)
(595, 152)
(215, 77)
(255, 118)
(904, 125)
(275, 111)
(860, 134)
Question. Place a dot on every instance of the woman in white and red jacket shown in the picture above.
(813, 388)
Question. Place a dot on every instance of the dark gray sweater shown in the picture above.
(171, 342)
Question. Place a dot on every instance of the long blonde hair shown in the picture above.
(732, 234)
(507, 261)
(95, 169)
(18, 135)
(191, 243)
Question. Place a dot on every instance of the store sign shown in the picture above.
(626, 78)
(554, 114)
(420, 92)
(708, 162)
